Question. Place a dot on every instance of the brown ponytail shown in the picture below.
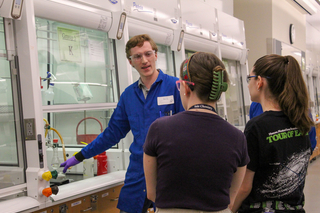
(294, 98)
(287, 86)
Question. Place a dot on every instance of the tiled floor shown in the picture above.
(312, 188)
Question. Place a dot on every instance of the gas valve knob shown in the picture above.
(50, 190)
(47, 175)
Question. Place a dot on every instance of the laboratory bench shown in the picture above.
(97, 194)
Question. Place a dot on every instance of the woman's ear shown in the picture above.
(260, 82)
(187, 89)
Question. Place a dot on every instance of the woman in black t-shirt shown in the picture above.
(278, 145)
(194, 161)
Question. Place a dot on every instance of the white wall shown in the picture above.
(284, 14)
(265, 19)
(258, 25)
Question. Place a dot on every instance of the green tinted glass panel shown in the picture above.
(77, 127)
(78, 61)
(233, 96)
(11, 172)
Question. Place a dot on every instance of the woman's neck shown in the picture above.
(199, 106)
(270, 106)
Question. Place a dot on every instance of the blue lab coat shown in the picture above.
(136, 113)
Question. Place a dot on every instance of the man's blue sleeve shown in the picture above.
(117, 129)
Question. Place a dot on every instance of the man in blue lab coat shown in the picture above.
(152, 96)
(256, 109)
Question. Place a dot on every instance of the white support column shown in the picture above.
(179, 57)
(31, 97)
(246, 95)
(125, 79)
(311, 91)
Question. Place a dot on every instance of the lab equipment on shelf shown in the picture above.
(49, 94)
(55, 162)
(47, 128)
(88, 165)
(87, 138)
(102, 164)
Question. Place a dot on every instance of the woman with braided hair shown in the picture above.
(278, 142)
(195, 161)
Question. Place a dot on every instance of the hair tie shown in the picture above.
(286, 60)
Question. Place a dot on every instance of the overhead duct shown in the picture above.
(305, 6)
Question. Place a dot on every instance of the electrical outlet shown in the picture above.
(29, 129)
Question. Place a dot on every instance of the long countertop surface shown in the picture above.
(66, 192)
(90, 184)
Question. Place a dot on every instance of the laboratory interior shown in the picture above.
(64, 67)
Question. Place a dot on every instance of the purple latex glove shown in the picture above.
(68, 163)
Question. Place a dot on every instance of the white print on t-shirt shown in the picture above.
(283, 134)
(283, 130)
(290, 176)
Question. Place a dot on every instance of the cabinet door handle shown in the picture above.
(85, 210)
(114, 199)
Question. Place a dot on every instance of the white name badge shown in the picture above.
(165, 100)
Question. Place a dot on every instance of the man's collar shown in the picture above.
(159, 78)
(140, 83)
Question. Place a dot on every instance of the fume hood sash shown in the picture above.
(233, 53)
(159, 34)
(199, 19)
(165, 13)
(73, 13)
(231, 30)
(196, 43)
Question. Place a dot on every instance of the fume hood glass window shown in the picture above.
(76, 127)
(287, 49)
(188, 53)
(165, 59)
(76, 64)
(74, 130)
(164, 62)
(11, 171)
(233, 96)
(316, 95)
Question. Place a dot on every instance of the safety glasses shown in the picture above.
(179, 82)
(138, 57)
(250, 76)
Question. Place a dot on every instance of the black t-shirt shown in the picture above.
(197, 154)
(279, 156)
